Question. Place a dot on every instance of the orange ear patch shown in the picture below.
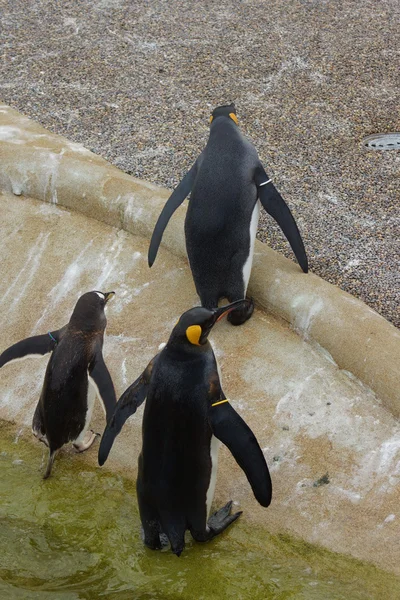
(234, 118)
(211, 119)
(193, 334)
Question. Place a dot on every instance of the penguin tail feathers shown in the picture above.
(174, 527)
(178, 551)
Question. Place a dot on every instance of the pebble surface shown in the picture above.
(135, 81)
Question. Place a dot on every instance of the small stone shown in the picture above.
(324, 480)
(285, 428)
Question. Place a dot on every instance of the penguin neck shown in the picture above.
(87, 324)
(222, 125)
(183, 350)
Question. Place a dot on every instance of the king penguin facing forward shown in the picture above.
(75, 372)
(186, 413)
(227, 184)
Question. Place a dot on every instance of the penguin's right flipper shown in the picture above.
(176, 198)
(230, 428)
(126, 406)
(275, 205)
(101, 378)
(38, 345)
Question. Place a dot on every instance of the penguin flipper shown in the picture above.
(101, 379)
(38, 345)
(275, 205)
(126, 406)
(228, 426)
(176, 198)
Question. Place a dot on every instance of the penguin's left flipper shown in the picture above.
(126, 406)
(38, 345)
(101, 379)
(232, 431)
(176, 198)
(275, 205)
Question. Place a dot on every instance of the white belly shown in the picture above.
(91, 397)
(214, 449)
(253, 230)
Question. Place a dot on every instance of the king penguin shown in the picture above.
(185, 415)
(227, 183)
(75, 372)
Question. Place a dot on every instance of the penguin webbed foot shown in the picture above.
(50, 464)
(164, 541)
(86, 442)
(222, 518)
(152, 542)
(41, 437)
(217, 523)
(241, 315)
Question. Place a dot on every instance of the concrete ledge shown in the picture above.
(47, 167)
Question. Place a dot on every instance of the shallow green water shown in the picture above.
(76, 536)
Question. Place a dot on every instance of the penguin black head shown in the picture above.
(227, 110)
(89, 311)
(195, 324)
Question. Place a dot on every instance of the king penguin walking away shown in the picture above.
(226, 182)
(186, 413)
(75, 372)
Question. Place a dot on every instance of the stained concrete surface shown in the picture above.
(333, 450)
(135, 81)
(36, 163)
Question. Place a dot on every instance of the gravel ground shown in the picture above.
(135, 81)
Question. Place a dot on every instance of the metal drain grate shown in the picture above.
(382, 141)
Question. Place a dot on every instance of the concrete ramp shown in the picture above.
(332, 446)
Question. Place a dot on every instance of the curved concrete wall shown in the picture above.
(47, 167)
(332, 448)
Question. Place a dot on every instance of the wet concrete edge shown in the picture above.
(47, 167)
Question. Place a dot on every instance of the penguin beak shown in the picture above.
(220, 313)
(107, 296)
